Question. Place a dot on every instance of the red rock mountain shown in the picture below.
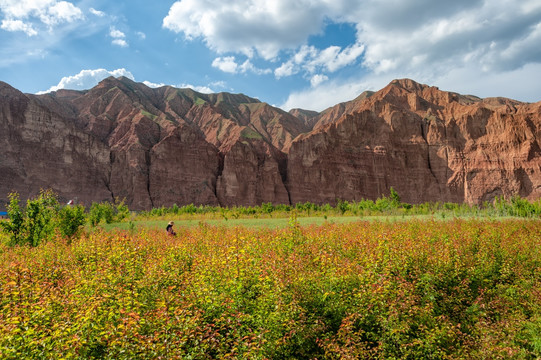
(158, 147)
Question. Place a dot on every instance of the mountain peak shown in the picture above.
(5, 88)
(409, 84)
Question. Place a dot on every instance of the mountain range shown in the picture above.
(163, 146)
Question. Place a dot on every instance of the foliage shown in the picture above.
(14, 227)
(384, 205)
(395, 198)
(368, 290)
(34, 223)
(71, 219)
(107, 212)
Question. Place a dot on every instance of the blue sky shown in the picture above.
(310, 54)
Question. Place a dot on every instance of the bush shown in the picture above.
(342, 206)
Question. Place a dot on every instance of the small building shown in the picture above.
(3, 215)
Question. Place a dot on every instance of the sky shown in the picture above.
(309, 54)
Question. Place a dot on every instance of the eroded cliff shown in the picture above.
(157, 147)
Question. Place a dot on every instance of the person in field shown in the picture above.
(169, 229)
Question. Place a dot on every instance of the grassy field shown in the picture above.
(276, 222)
(278, 289)
(266, 222)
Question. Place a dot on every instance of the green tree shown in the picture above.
(14, 227)
(95, 214)
(395, 198)
(34, 223)
(70, 220)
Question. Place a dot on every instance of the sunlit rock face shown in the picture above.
(165, 146)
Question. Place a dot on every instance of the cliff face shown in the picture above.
(163, 146)
(428, 144)
(42, 150)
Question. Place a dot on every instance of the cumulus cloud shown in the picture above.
(153, 85)
(26, 15)
(318, 79)
(201, 89)
(119, 38)
(120, 42)
(249, 26)
(229, 64)
(113, 32)
(450, 35)
(226, 64)
(87, 79)
(424, 39)
(60, 12)
(18, 25)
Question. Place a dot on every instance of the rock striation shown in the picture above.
(165, 146)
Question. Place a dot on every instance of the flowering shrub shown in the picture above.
(408, 290)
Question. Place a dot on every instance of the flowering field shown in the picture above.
(418, 289)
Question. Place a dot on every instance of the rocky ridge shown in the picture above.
(158, 147)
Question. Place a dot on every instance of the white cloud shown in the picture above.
(286, 69)
(318, 79)
(310, 60)
(483, 34)
(201, 89)
(321, 97)
(120, 42)
(250, 26)
(117, 34)
(228, 64)
(98, 13)
(344, 58)
(141, 35)
(60, 12)
(18, 9)
(247, 66)
(18, 25)
(87, 79)
(153, 85)
(423, 39)
(118, 37)
(519, 84)
(27, 15)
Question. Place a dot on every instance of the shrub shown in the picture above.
(122, 211)
(395, 198)
(342, 206)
